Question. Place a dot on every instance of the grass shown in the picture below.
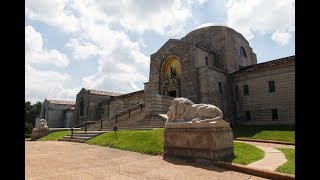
(245, 153)
(54, 136)
(272, 132)
(143, 141)
(27, 135)
(289, 166)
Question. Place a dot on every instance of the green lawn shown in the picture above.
(278, 133)
(246, 153)
(54, 136)
(289, 166)
(143, 141)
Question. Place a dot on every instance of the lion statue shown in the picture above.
(42, 124)
(182, 109)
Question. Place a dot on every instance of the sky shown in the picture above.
(106, 45)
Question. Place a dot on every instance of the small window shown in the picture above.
(237, 95)
(44, 112)
(245, 90)
(248, 116)
(81, 104)
(274, 114)
(206, 60)
(272, 87)
(220, 88)
(243, 52)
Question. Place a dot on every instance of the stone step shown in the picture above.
(76, 137)
(83, 135)
(73, 140)
(88, 132)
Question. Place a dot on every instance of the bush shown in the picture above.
(28, 128)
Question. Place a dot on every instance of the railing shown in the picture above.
(116, 115)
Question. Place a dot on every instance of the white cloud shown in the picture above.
(82, 50)
(53, 12)
(35, 53)
(282, 38)
(47, 84)
(201, 2)
(161, 16)
(260, 16)
(209, 24)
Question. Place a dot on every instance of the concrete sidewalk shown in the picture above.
(273, 158)
(67, 160)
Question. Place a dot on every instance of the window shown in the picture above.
(272, 87)
(245, 90)
(220, 88)
(243, 52)
(237, 96)
(44, 112)
(248, 116)
(206, 60)
(81, 104)
(274, 114)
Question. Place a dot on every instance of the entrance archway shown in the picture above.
(170, 79)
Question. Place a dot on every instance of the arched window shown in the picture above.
(81, 104)
(243, 52)
(44, 112)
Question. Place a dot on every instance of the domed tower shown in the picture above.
(231, 48)
(197, 66)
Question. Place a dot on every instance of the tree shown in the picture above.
(31, 111)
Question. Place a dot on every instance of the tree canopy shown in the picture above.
(31, 111)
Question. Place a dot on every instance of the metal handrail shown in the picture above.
(109, 117)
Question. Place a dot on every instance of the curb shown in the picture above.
(253, 171)
(265, 141)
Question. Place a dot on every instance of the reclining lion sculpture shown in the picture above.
(42, 124)
(182, 109)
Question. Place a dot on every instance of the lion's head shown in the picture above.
(177, 108)
(42, 124)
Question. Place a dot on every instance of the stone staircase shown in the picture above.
(81, 136)
(138, 120)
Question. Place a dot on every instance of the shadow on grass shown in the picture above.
(250, 131)
(204, 164)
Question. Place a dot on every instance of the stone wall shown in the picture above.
(157, 104)
(55, 118)
(185, 52)
(122, 102)
(92, 108)
(69, 118)
(54, 113)
(260, 101)
(209, 80)
(226, 43)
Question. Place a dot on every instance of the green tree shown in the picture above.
(31, 111)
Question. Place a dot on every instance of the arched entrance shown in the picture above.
(170, 79)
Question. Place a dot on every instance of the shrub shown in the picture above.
(28, 128)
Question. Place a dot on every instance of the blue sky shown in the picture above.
(106, 45)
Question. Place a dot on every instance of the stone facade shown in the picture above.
(54, 111)
(205, 66)
(87, 104)
(119, 103)
(261, 98)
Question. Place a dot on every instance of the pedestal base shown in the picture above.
(204, 141)
(38, 133)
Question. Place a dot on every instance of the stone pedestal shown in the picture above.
(39, 133)
(200, 141)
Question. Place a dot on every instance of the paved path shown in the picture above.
(273, 157)
(68, 160)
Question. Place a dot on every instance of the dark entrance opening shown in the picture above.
(172, 93)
